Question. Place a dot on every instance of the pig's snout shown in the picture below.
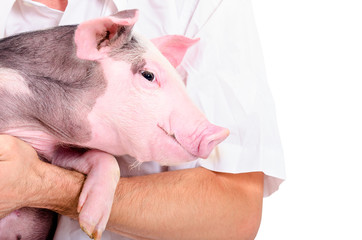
(211, 137)
(200, 142)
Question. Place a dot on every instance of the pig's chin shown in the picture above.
(167, 155)
(166, 150)
(170, 151)
(173, 155)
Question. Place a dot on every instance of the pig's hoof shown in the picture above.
(92, 229)
(91, 232)
(94, 210)
(94, 207)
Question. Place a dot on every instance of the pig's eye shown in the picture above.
(148, 75)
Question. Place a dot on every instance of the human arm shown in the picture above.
(189, 204)
(186, 204)
(26, 181)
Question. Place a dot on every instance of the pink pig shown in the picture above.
(82, 95)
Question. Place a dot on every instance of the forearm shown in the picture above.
(57, 189)
(188, 204)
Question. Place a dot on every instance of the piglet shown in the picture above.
(81, 95)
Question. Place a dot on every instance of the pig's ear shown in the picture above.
(94, 38)
(174, 47)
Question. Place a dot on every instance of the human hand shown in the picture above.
(20, 170)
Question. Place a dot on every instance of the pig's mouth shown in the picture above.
(173, 137)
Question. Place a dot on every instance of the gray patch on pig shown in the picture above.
(138, 66)
(64, 88)
(132, 52)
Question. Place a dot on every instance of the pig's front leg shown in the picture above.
(96, 198)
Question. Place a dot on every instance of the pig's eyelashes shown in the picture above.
(148, 75)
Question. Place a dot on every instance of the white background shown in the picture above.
(313, 57)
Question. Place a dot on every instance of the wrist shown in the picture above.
(56, 189)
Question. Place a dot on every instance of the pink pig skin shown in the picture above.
(172, 123)
(142, 110)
